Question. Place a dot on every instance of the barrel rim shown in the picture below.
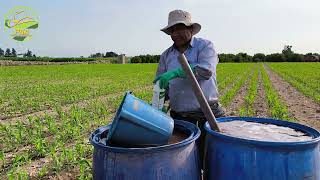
(193, 136)
(310, 131)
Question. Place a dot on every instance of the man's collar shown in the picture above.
(192, 41)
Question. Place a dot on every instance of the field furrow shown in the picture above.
(301, 108)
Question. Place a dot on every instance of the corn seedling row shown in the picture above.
(277, 109)
(247, 108)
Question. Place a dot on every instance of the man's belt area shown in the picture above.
(198, 115)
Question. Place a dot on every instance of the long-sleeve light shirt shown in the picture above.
(201, 53)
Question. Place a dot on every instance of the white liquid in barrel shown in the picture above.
(262, 132)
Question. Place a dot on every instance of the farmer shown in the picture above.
(203, 60)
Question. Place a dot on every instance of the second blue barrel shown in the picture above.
(176, 161)
(233, 158)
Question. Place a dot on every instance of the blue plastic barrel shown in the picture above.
(136, 123)
(179, 161)
(243, 159)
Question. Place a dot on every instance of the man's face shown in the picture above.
(180, 34)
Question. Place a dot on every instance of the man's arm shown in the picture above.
(208, 60)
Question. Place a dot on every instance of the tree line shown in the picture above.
(287, 55)
(13, 53)
(145, 59)
(103, 55)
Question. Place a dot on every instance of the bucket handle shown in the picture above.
(99, 131)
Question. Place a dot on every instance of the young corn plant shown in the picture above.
(43, 171)
(21, 159)
(85, 169)
(22, 175)
(11, 175)
(20, 132)
(56, 162)
(8, 136)
(2, 159)
(40, 146)
(51, 124)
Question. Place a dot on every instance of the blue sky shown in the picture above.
(71, 28)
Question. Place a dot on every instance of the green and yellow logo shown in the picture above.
(20, 21)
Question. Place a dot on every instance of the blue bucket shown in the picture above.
(136, 123)
(229, 157)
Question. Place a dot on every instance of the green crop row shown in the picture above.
(247, 108)
(232, 92)
(276, 107)
(227, 72)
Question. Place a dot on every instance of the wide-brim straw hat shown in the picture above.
(181, 17)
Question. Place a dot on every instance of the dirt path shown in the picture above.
(260, 103)
(302, 108)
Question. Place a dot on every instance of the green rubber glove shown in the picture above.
(167, 76)
(165, 109)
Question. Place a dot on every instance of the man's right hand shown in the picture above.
(167, 76)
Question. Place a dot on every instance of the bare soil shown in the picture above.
(66, 174)
(303, 109)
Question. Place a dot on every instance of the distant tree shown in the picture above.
(287, 49)
(242, 57)
(13, 52)
(287, 52)
(111, 54)
(276, 57)
(28, 54)
(226, 57)
(311, 57)
(145, 59)
(136, 59)
(1, 52)
(8, 53)
(295, 58)
(99, 54)
(258, 57)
